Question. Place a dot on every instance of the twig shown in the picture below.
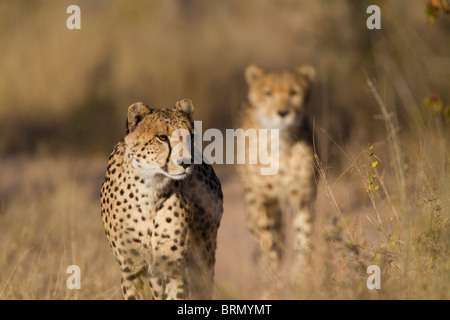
(15, 268)
(397, 154)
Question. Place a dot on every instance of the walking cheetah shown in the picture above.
(160, 214)
(277, 101)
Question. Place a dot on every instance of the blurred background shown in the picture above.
(63, 101)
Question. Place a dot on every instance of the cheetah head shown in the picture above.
(279, 98)
(159, 141)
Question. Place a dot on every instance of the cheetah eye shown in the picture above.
(293, 92)
(267, 92)
(162, 137)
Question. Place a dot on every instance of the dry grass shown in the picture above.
(46, 228)
(63, 97)
(50, 219)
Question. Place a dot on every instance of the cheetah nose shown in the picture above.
(185, 163)
(283, 113)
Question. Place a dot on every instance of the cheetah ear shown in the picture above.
(253, 73)
(185, 106)
(136, 112)
(308, 72)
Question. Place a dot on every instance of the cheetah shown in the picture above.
(161, 212)
(277, 100)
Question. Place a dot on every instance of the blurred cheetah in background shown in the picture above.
(160, 214)
(277, 101)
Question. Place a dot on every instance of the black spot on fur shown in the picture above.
(180, 295)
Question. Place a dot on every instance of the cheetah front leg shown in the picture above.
(300, 194)
(132, 286)
(173, 287)
(265, 224)
(157, 287)
(177, 287)
(201, 269)
(302, 230)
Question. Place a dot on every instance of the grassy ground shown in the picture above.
(50, 219)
